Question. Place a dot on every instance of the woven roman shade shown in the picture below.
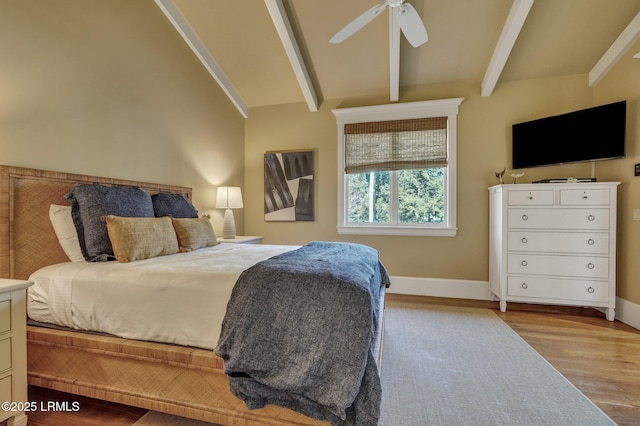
(395, 145)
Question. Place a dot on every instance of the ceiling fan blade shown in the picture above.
(357, 23)
(411, 24)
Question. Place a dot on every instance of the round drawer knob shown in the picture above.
(525, 217)
(591, 218)
(525, 286)
(590, 265)
(524, 263)
(590, 241)
(591, 290)
(524, 240)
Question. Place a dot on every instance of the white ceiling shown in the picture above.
(277, 51)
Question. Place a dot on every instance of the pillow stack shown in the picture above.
(89, 203)
(127, 224)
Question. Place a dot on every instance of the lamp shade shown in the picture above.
(229, 197)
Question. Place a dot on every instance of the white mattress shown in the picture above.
(180, 299)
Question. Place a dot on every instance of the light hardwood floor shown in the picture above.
(601, 358)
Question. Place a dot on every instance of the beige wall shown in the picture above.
(110, 89)
(484, 138)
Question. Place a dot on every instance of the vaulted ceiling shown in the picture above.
(277, 51)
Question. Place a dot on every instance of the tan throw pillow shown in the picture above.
(194, 233)
(137, 238)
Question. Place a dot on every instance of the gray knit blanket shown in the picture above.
(297, 333)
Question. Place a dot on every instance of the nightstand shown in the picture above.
(241, 239)
(13, 349)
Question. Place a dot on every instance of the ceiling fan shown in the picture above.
(405, 14)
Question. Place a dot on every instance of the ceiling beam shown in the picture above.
(394, 59)
(184, 29)
(615, 51)
(288, 38)
(512, 27)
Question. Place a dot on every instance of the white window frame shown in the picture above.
(402, 111)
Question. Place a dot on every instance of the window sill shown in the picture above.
(413, 231)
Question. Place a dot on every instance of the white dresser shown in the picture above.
(13, 350)
(554, 244)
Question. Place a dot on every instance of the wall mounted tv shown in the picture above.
(587, 135)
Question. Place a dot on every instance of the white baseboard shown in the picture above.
(626, 312)
(440, 287)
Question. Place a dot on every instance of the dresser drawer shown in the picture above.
(531, 198)
(569, 266)
(559, 242)
(5, 390)
(5, 316)
(582, 219)
(5, 354)
(583, 197)
(558, 289)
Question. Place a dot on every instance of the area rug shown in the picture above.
(452, 366)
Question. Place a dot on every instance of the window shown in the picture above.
(397, 167)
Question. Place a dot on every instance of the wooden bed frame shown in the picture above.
(178, 380)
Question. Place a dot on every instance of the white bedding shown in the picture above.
(180, 299)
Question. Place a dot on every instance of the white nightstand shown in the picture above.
(13, 348)
(241, 239)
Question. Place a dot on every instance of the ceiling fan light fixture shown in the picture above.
(395, 3)
(405, 14)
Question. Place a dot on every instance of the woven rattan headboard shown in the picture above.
(27, 239)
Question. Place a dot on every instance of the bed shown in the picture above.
(176, 379)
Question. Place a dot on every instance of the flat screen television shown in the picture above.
(591, 134)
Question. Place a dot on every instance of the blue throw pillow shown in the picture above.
(175, 205)
(89, 202)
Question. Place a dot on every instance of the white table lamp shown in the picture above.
(229, 197)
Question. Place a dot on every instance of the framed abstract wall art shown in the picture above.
(288, 186)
